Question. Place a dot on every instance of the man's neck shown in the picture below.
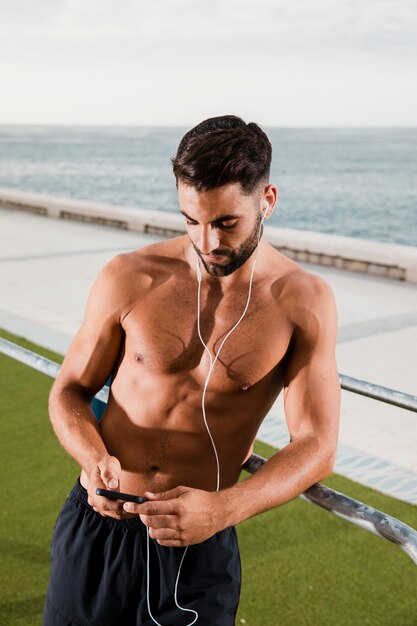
(241, 276)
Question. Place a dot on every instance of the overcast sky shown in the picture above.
(174, 62)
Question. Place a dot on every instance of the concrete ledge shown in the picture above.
(387, 260)
(126, 218)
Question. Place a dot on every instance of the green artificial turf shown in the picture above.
(302, 566)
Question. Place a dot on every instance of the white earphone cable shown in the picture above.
(181, 608)
(210, 371)
(213, 362)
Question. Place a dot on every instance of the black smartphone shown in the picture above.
(117, 495)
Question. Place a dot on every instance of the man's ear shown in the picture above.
(270, 195)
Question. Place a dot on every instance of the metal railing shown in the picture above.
(377, 392)
(338, 503)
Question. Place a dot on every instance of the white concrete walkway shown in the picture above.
(47, 267)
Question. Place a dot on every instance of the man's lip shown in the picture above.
(212, 259)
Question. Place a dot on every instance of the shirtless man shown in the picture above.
(141, 328)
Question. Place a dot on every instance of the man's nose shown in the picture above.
(208, 239)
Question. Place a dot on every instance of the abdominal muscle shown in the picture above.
(161, 444)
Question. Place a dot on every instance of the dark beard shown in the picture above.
(237, 257)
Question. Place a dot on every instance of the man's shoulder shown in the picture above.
(311, 287)
(144, 261)
(131, 275)
(301, 291)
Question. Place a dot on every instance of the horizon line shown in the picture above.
(181, 126)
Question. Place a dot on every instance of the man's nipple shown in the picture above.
(139, 357)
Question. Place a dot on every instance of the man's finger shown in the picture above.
(164, 534)
(112, 507)
(109, 478)
(171, 543)
(170, 522)
(160, 507)
(109, 470)
(166, 495)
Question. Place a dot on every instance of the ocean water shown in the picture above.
(354, 182)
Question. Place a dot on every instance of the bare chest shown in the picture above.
(162, 337)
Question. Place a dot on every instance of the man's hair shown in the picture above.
(223, 150)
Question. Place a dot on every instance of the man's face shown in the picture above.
(223, 225)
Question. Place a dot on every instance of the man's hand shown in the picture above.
(106, 475)
(180, 517)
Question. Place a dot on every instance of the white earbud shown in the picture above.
(266, 207)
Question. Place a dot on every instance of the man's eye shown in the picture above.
(226, 226)
(190, 223)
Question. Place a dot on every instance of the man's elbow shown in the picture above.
(327, 464)
(65, 394)
(57, 393)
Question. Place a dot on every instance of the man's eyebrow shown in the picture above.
(222, 218)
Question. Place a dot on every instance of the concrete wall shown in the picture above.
(358, 255)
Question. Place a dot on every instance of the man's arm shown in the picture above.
(184, 516)
(87, 365)
(312, 408)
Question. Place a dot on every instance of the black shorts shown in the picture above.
(98, 573)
